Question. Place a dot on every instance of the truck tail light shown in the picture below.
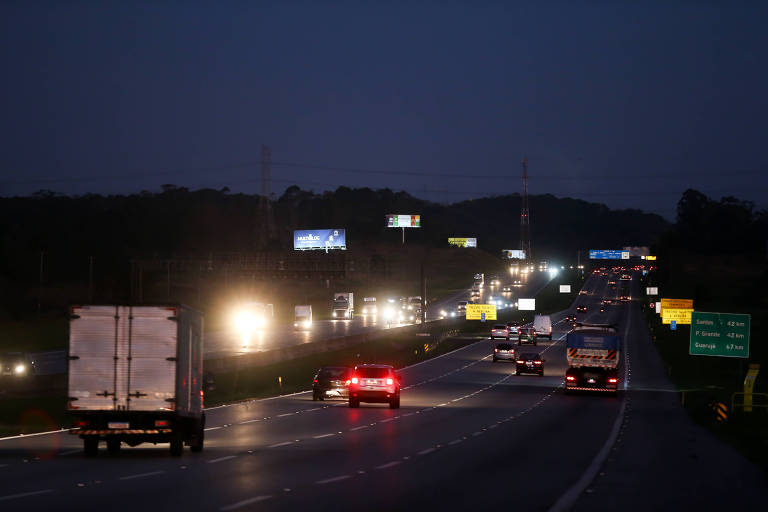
(520, 361)
(537, 362)
(82, 423)
(390, 382)
(570, 378)
(315, 381)
(613, 380)
(495, 350)
(355, 380)
(161, 423)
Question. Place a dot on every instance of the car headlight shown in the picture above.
(20, 369)
(333, 314)
(307, 324)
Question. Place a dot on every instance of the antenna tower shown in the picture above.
(525, 217)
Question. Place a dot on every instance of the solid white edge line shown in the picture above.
(24, 494)
(243, 503)
(22, 436)
(569, 498)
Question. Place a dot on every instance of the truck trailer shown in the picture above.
(302, 316)
(592, 351)
(136, 375)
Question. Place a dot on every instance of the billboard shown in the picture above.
(526, 304)
(319, 239)
(637, 252)
(651, 290)
(565, 288)
(403, 221)
(476, 311)
(608, 254)
(514, 254)
(463, 242)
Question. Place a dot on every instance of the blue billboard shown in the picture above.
(319, 239)
(601, 254)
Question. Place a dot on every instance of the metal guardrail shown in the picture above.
(760, 403)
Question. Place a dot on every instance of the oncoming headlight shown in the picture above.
(20, 369)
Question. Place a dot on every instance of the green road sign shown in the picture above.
(719, 334)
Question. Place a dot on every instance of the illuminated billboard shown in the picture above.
(463, 242)
(403, 221)
(526, 304)
(319, 239)
(514, 254)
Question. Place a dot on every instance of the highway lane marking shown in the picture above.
(250, 421)
(385, 420)
(570, 496)
(389, 464)
(334, 479)
(141, 475)
(24, 494)
(20, 436)
(278, 445)
(323, 435)
(454, 442)
(358, 428)
(70, 452)
(286, 414)
(426, 452)
(245, 503)
(212, 428)
(222, 459)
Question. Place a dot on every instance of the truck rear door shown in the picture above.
(151, 381)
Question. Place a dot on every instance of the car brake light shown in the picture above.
(495, 350)
(315, 380)
(354, 380)
(537, 362)
(161, 423)
(348, 382)
(570, 377)
(613, 380)
(390, 382)
(82, 423)
(520, 362)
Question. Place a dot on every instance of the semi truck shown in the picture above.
(136, 375)
(343, 305)
(369, 306)
(592, 351)
(302, 316)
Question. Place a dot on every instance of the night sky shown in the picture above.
(628, 104)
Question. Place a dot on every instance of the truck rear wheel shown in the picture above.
(196, 444)
(113, 445)
(91, 446)
(177, 447)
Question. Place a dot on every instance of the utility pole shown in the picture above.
(525, 220)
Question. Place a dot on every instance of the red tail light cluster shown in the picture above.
(355, 380)
(613, 380)
(315, 381)
(520, 362)
(537, 362)
(570, 378)
(162, 423)
(82, 423)
(390, 382)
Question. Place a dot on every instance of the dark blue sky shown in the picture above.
(623, 103)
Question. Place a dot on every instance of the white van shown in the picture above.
(542, 324)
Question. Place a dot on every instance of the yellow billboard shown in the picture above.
(650, 258)
(475, 311)
(676, 304)
(681, 316)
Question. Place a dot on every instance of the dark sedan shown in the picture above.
(331, 382)
(530, 363)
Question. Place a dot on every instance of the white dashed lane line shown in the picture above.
(278, 445)
(141, 475)
(334, 479)
(389, 464)
(358, 428)
(222, 459)
(426, 452)
(321, 436)
(245, 503)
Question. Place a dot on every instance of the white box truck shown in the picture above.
(136, 375)
(302, 316)
(343, 305)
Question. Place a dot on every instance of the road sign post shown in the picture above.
(673, 325)
(719, 334)
(482, 317)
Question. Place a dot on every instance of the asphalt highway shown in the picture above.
(469, 435)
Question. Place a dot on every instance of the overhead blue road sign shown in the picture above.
(605, 254)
